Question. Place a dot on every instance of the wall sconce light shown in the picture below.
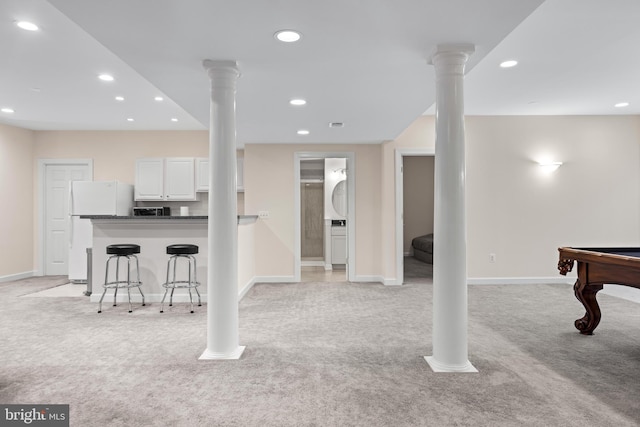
(549, 166)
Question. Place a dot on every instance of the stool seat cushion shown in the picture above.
(182, 249)
(123, 249)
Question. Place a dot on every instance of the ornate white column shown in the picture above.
(222, 292)
(450, 226)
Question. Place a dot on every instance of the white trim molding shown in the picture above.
(368, 279)
(391, 281)
(351, 208)
(520, 280)
(17, 276)
(275, 279)
(399, 252)
(246, 288)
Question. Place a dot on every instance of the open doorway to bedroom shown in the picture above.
(415, 188)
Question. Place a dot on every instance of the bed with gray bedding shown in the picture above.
(423, 248)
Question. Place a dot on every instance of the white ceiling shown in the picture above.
(363, 63)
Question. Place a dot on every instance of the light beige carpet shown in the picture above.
(335, 354)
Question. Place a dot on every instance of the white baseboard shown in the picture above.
(519, 280)
(369, 279)
(274, 279)
(391, 281)
(246, 288)
(17, 276)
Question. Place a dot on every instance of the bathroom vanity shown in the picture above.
(338, 242)
(335, 181)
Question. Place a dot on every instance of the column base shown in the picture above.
(443, 367)
(212, 355)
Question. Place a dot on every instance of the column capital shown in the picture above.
(458, 53)
(221, 68)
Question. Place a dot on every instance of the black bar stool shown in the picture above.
(118, 253)
(184, 252)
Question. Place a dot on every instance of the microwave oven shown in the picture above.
(152, 211)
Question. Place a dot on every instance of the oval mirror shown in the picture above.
(339, 198)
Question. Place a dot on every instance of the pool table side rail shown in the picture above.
(596, 255)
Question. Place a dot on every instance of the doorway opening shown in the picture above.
(414, 213)
(324, 200)
(312, 212)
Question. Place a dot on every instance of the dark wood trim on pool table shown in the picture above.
(597, 266)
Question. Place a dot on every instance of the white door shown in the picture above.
(56, 214)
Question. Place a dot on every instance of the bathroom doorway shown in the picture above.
(312, 212)
(325, 206)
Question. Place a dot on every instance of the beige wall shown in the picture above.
(512, 210)
(417, 198)
(16, 192)
(523, 216)
(269, 175)
(114, 152)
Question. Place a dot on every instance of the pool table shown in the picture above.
(597, 266)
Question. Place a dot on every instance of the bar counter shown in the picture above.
(154, 234)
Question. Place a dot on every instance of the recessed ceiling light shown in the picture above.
(174, 119)
(509, 64)
(303, 132)
(621, 104)
(287, 36)
(7, 110)
(130, 119)
(106, 77)
(29, 26)
(159, 98)
(119, 98)
(297, 101)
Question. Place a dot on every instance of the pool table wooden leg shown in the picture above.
(586, 294)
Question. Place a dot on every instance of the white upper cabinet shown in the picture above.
(202, 174)
(149, 179)
(168, 179)
(180, 178)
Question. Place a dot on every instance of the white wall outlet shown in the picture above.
(263, 214)
(492, 257)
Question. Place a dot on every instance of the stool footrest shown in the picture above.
(181, 284)
(122, 284)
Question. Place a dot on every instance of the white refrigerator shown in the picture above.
(92, 198)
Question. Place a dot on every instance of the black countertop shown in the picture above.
(241, 218)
